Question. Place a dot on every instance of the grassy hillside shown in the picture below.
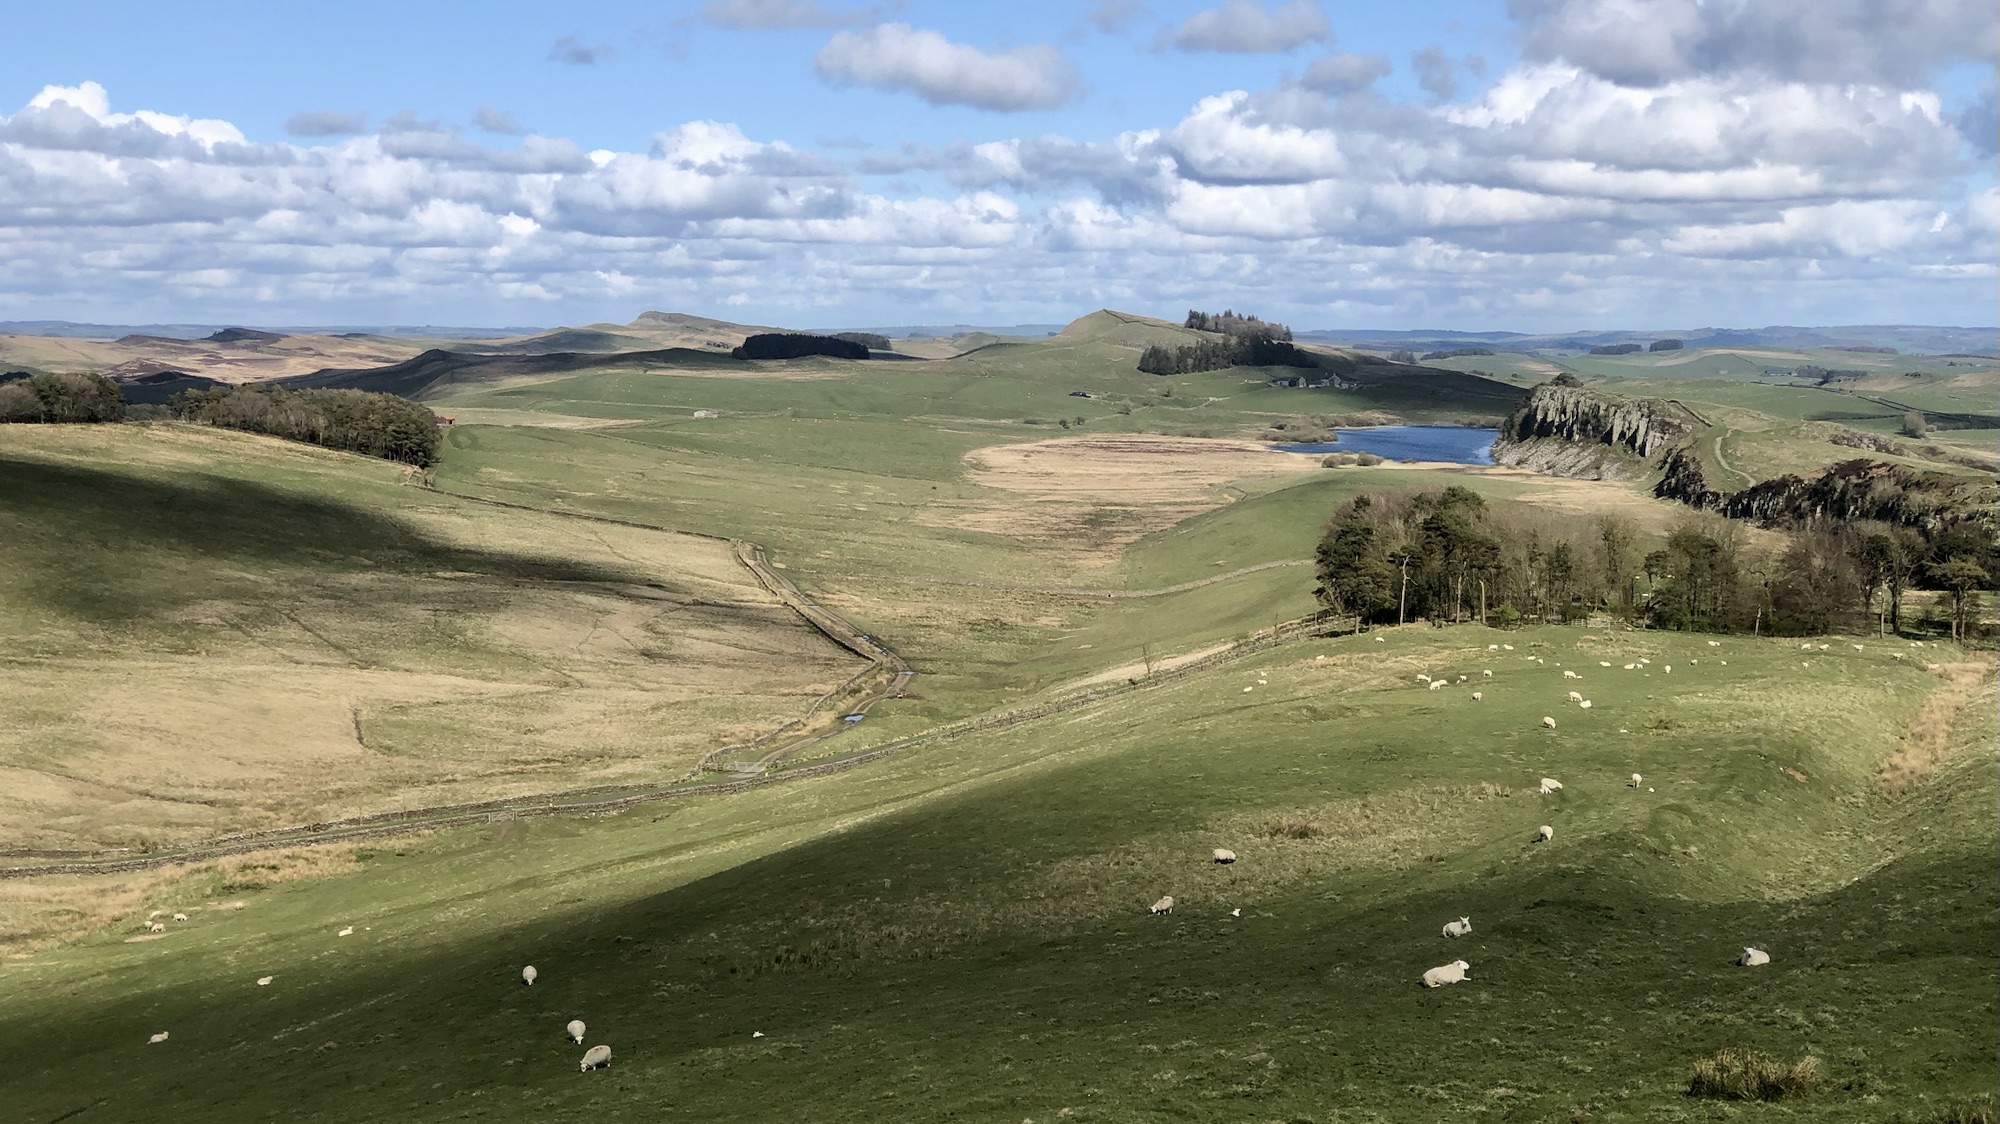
(204, 632)
(962, 931)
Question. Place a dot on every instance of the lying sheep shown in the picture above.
(1164, 905)
(575, 1029)
(1714, 644)
(1458, 928)
(1451, 973)
(1224, 856)
(1550, 784)
(265, 981)
(528, 975)
(1584, 703)
(1548, 723)
(1631, 667)
(347, 932)
(1751, 958)
(1509, 647)
(1604, 663)
(597, 1057)
(1544, 833)
(158, 1038)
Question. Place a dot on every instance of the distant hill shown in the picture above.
(160, 386)
(1903, 337)
(438, 368)
(1126, 330)
(243, 335)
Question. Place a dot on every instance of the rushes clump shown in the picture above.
(1736, 1074)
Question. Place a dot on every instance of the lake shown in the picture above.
(1459, 444)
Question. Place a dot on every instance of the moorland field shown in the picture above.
(211, 632)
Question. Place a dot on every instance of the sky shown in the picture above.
(1533, 165)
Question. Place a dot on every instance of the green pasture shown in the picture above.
(962, 931)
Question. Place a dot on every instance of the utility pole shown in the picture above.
(1482, 600)
(1402, 591)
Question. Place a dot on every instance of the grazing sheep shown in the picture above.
(597, 1057)
(1436, 683)
(1637, 780)
(347, 932)
(1461, 679)
(1824, 647)
(1224, 856)
(1164, 905)
(528, 975)
(1548, 723)
(1569, 675)
(1550, 784)
(158, 1038)
(265, 981)
(180, 917)
(1544, 833)
(1751, 958)
(1422, 678)
(1493, 647)
(1585, 704)
(1668, 668)
(575, 1029)
(155, 927)
(756, 1034)
(1858, 648)
(1477, 695)
(1488, 673)
(1451, 973)
(1574, 697)
(1805, 647)
(1458, 928)
(1379, 640)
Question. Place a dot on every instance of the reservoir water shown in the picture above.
(1459, 444)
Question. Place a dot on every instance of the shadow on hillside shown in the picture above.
(105, 545)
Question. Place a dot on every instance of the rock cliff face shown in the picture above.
(1569, 431)
(1861, 489)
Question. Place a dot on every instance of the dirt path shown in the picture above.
(1115, 594)
(1748, 480)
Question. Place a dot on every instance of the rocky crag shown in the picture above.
(1569, 431)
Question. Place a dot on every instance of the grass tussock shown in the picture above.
(1980, 1109)
(1929, 735)
(261, 869)
(1737, 1074)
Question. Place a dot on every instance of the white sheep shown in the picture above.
(158, 1038)
(1604, 663)
(1451, 973)
(1569, 675)
(1488, 673)
(575, 1029)
(347, 932)
(180, 917)
(265, 981)
(1858, 648)
(1437, 683)
(1461, 679)
(1753, 957)
(1247, 690)
(528, 975)
(155, 927)
(1544, 833)
(1548, 723)
(1223, 856)
(597, 1057)
(1164, 905)
(1458, 928)
(1575, 697)
(1668, 668)
(1637, 780)
(1493, 647)
(1714, 644)
(1585, 704)
(1631, 667)
(1422, 678)
(1550, 784)
(1477, 695)
(1237, 912)
(1509, 647)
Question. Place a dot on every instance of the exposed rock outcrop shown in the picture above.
(1570, 431)
(1861, 489)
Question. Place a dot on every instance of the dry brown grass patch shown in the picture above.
(1929, 735)
(1736, 1074)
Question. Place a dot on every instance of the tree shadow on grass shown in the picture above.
(107, 546)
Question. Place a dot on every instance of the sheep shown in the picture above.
(575, 1029)
(1667, 668)
(265, 981)
(1550, 784)
(1458, 928)
(1493, 647)
(1488, 673)
(1751, 958)
(1509, 647)
(1422, 678)
(1451, 973)
(155, 927)
(1164, 905)
(1858, 648)
(1585, 704)
(1477, 695)
(158, 1038)
(1379, 640)
(1714, 644)
(528, 975)
(1548, 723)
(1237, 912)
(1637, 780)
(1544, 833)
(1604, 663)
(1247, 690)
(1631, 667)
(1437, 683)
(180, 917)
(597, 1057)
(756, 1034)
(1461, 679)
(1569, 675)
(1575, 697)
(1223, 856)
(347, 932)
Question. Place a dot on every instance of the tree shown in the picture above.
(61, 398)
(1914, 424)
(1353, 575)
(1963, 578)
(1617, 538)
(1817, 585)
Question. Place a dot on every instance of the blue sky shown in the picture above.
(1539, 164)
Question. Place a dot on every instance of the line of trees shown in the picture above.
(59, 398)
(798, 345)
(1246, 342)
(1450, 556)
(358, 421)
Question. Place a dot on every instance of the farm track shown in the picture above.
(610, 799)
(1121, 594)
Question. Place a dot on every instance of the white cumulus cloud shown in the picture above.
(896, 56)
(1249, 27)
